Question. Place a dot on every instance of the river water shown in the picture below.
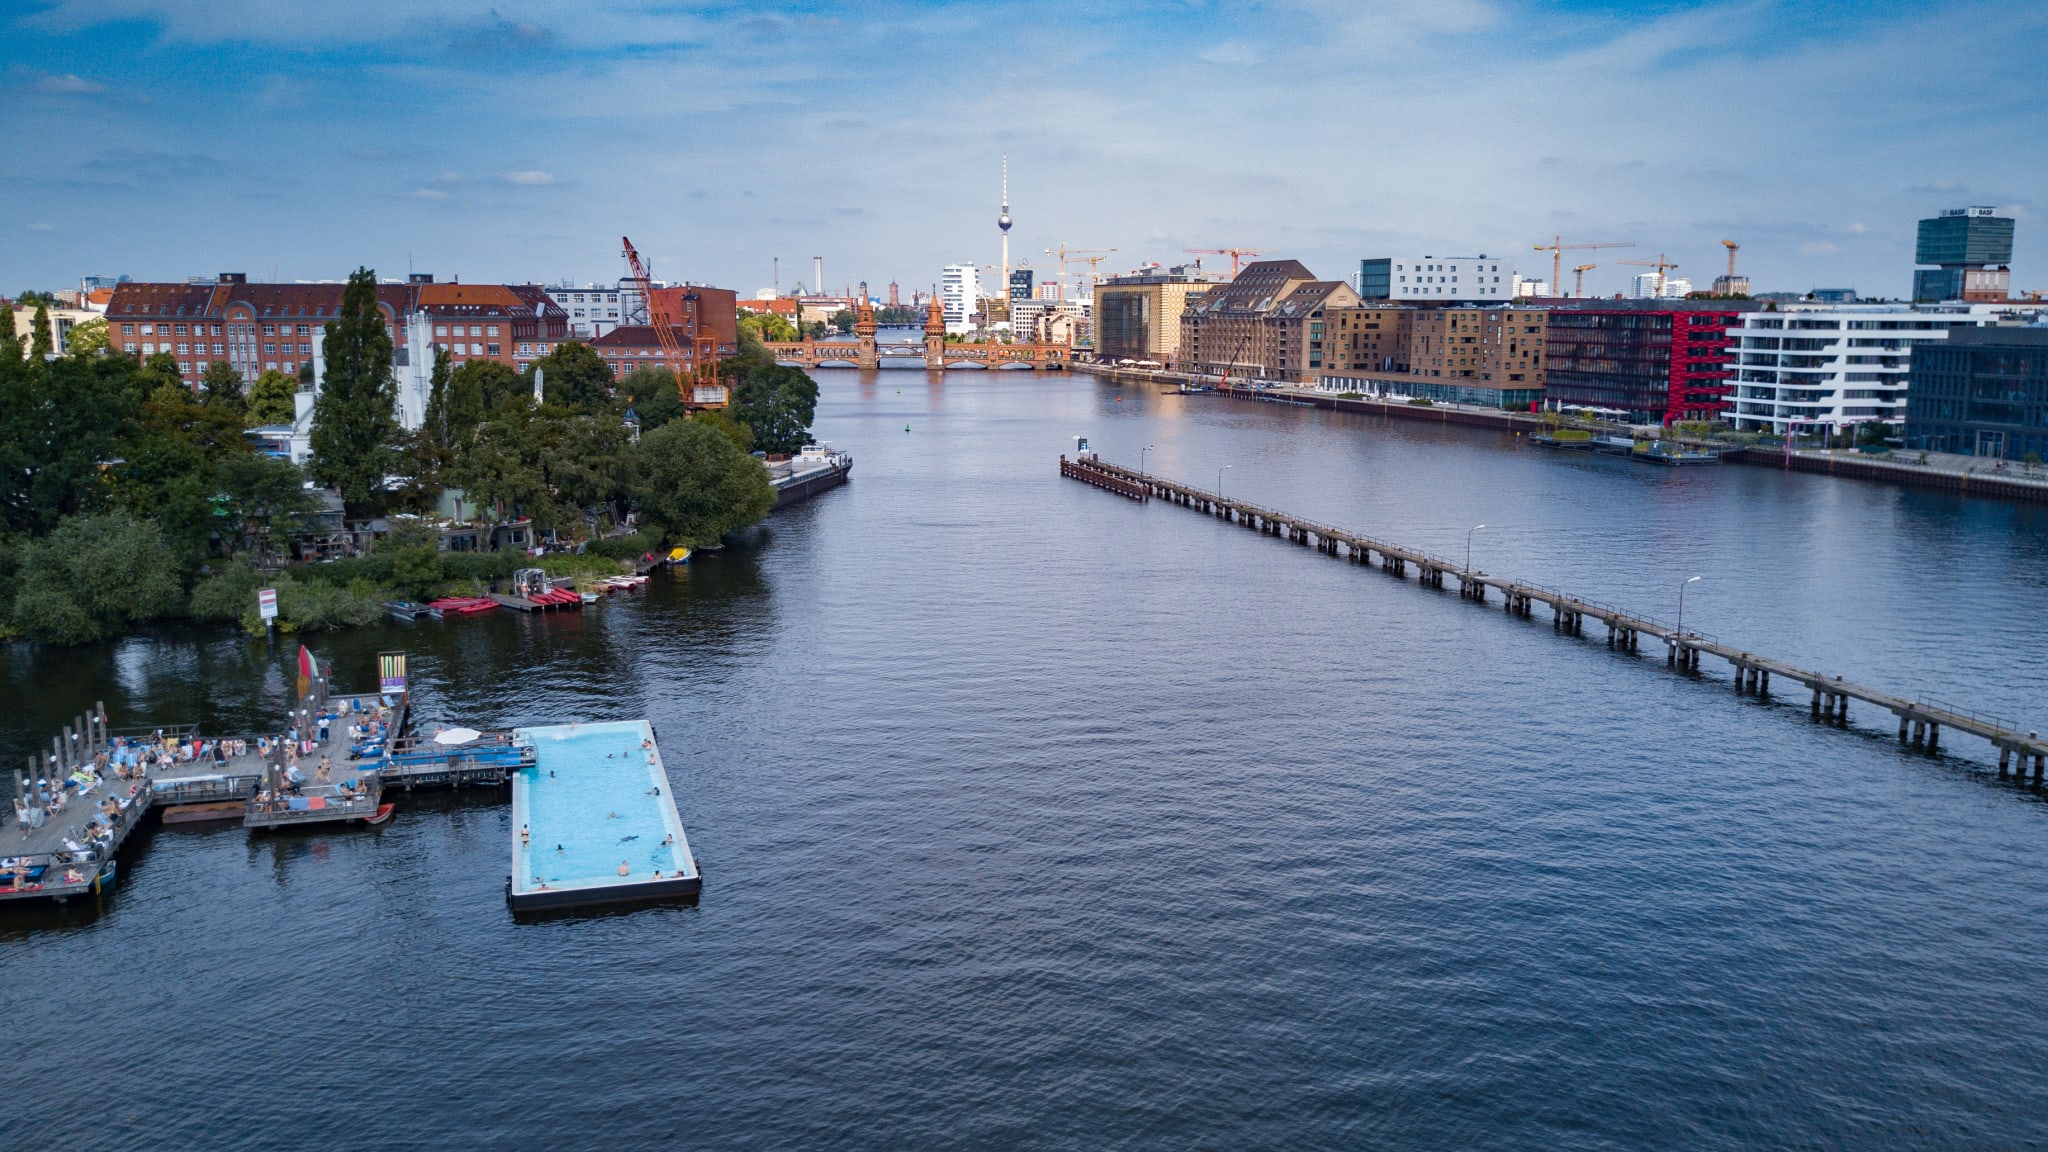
(1033, 817)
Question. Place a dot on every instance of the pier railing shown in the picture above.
(1920, 719)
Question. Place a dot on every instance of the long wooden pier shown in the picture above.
(1921, 720)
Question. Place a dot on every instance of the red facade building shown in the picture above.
(1658, 361)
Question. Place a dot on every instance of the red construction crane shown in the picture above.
(1233, 253)
(703, 370)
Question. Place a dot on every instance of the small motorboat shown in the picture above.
(382, 814)
(409, 610)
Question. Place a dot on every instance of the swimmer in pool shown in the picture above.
(668, 840)
(625, 869)
(611, 816)
(525, 835)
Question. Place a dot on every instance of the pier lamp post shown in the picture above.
(1141, 458)
(1681, 605)
(1219, 480)
(1468, 544)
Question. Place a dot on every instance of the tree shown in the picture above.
(60, 423)
(10, 344)
(353, 425)
(40, 343)
(653, 395)
(776, 402)
(170, 459)
(93, 577)
(221, 387)
(741, 436)
(259, 495)
(768, 326)
(88, 340)
(695, 486)
(270, 398)
(843, 320)
(574, 376)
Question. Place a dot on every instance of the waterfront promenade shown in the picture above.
(1920, 719)
(1946, 472)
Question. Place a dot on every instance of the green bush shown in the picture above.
(317, 606)
(95, 576)
(1422, 401)
(630, 547)
(229, 593)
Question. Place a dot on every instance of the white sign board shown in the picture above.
(266, 603)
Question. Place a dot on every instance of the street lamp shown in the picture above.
(1681, 605)
(1468, 544)
(1219, 480)
(1141, 458)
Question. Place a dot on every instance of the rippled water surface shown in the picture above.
(1031, 817)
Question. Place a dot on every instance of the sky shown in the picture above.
(513, 140)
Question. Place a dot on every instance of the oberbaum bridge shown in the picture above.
(868, 353)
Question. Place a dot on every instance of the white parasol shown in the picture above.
(456, 736)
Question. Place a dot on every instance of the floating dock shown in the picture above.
(594, 821)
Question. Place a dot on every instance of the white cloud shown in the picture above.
(69, 84)
(531, 177)
(448, 178)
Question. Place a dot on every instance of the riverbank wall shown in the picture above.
(1855, 466)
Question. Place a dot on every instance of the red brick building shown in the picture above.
(276, 327)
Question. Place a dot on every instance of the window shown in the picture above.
(149, 329)
(491, 331)
(184, 349)
(270, 366)
(494, 349)
(270, 349)
(440, 329)
(181, 330)
(219, 349)
(270, 329)
(128, 347)
(128, 330)
(476, 329)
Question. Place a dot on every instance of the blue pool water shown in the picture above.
(594, 799)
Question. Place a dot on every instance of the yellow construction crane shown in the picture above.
(1064, 253)
(1660, 264)
(1233, 253)
(1731, 246)
(1091, 261)
(1579, 280)
(1557, 248)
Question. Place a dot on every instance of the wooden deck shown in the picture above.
(1920, 719)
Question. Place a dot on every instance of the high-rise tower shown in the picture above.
(1003, 224)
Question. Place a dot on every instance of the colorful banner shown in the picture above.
(309, 668)
(391, 673)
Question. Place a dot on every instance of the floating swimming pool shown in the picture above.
(593, 820)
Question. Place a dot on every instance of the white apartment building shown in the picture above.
(1840, 365)
(960, 294)
(1413, 278)
(593, 310)
(1653, 286)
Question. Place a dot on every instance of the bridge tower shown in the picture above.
(864, 330)
(935, 334)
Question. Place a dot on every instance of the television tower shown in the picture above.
(1003, 223)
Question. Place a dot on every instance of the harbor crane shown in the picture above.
(1660, 264)
(1731, 246)
(1557, 248)
(704, 369)
(1234, 253)
(1579, 280)
(1064, 253)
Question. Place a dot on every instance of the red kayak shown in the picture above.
(463, 605)
(382, 814)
